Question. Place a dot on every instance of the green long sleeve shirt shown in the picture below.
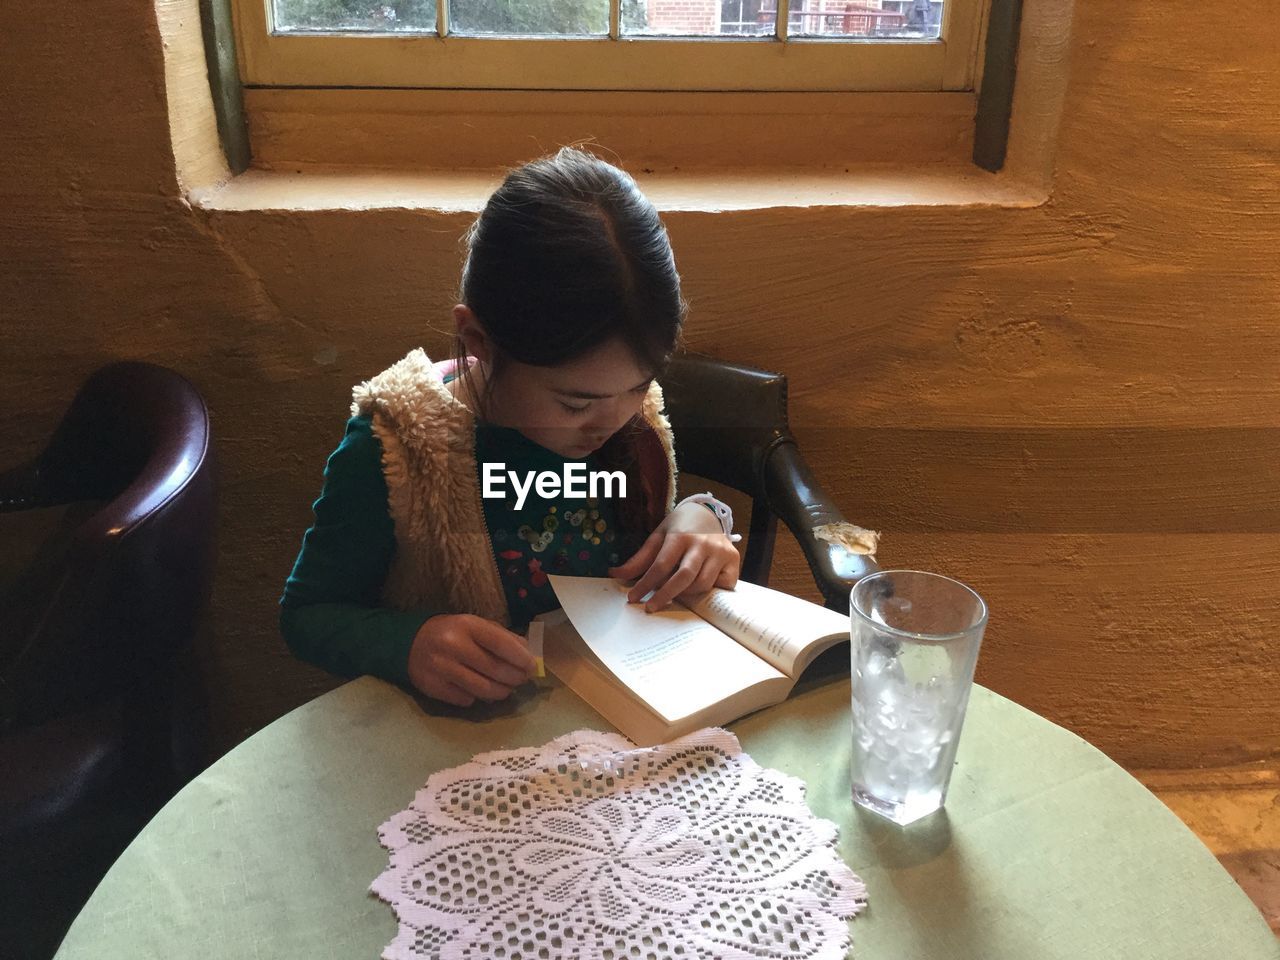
(332, 613)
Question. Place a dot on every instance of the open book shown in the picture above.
(657, 676)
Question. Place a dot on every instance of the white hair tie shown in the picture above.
(723, 512)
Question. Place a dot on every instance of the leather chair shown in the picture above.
(101, 717)
(730, 424)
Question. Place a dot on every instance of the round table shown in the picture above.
(1046, 848)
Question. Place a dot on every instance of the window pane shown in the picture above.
(747, 17)
(701, 18)
(866, 19)
(557, 18)
(355, 16)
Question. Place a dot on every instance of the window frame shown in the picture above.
(732, 63)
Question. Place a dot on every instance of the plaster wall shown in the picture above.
(1072, 406)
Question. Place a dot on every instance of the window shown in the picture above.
(658, 45)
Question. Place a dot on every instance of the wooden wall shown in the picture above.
(1071, 406)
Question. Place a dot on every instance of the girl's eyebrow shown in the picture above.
(581, 395)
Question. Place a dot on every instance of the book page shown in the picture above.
(785, 630)
(673, 659)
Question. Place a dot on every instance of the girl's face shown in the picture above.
(573, 408)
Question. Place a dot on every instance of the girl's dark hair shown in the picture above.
(567, 255)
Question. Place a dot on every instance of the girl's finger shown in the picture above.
(728, 578)
(480, 687)
(487, 665)
(731, 571)
(679, 582)
(706, 578)
(664, 563)
(503, 644)
(641, 559)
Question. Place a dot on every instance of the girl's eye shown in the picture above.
(580, 409)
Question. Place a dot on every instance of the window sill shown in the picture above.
(315, 188)
(474, 129)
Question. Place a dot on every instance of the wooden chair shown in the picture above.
(730, 425)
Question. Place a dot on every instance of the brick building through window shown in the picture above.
(861, 18)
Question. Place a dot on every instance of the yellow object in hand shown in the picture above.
(534, 637)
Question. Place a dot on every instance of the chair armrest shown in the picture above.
(797, 498)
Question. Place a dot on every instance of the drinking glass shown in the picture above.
(914, 640)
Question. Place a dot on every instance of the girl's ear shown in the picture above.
(472, 333)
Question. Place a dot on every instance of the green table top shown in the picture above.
(1046, 848)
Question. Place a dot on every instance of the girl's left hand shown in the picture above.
(687, 554)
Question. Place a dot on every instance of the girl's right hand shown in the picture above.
(461, 658)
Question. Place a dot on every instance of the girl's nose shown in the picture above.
(609, 415)
(602, 428)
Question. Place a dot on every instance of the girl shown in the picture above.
(570, 309)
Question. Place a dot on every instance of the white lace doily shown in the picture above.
(591, 848)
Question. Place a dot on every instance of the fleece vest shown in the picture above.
(444, 559)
